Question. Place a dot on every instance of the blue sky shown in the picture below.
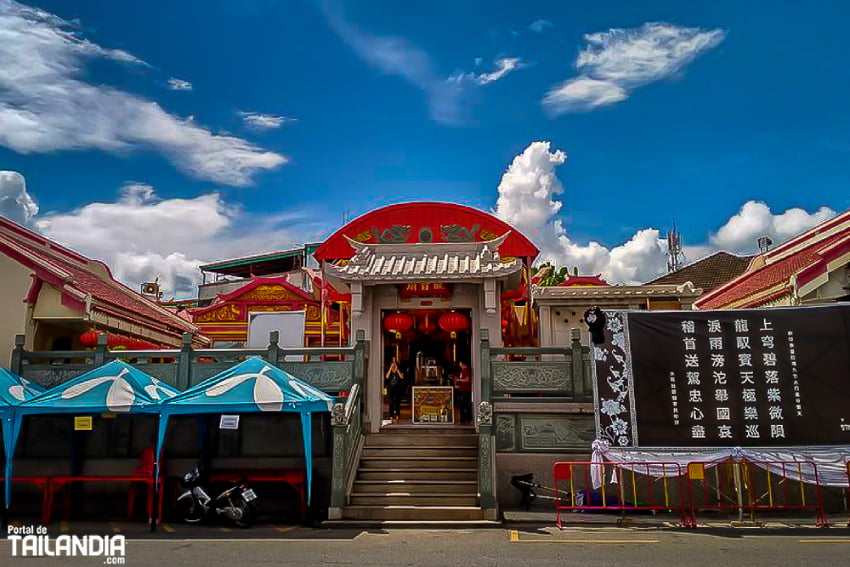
(366, 103)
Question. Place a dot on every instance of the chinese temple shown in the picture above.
(226, 320)
(61, 300)
(421, 280)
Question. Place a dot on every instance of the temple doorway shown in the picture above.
(431, 380)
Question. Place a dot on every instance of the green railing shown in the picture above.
(347, 422)
(547, 374)
(187, 366)
(532, 400)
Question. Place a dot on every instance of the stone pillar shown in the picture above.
(17, 362)
(486, 441)
(184, 363)
(577, 366)
(100, 351)
(273, 351)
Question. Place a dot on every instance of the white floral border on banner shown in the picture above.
(615, 405)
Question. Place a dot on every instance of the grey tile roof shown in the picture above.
(438, 261)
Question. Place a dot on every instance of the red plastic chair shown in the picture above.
(145, 472)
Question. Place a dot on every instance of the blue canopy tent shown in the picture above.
(249, 387)
(13, 391)
(115, 387)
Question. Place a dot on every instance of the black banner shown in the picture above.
(759, 377)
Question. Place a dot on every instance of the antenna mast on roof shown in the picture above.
(675, 256)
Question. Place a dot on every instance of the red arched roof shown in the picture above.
(416, 222)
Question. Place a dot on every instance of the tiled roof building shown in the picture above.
(708, 273)
(52, 294)
(811, 268)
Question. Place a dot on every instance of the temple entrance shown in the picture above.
(430, 382)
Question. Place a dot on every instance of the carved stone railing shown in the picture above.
(187, 366)
(539, 398)
(545, 374)
(347, 421)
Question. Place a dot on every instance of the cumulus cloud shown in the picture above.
(141, 236)
(46, 105)
(540, 25)
(258, 121)
(529, 200)
(15, 202)
(620, 60)
(755, 219)
(176, 84)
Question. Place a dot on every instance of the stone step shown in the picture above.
(395, 439)
(419, 463)
(429, 486)
(421, 451)
(434, 474)
(443, 513)
(405, 499)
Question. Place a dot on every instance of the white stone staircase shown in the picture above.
(426, 474)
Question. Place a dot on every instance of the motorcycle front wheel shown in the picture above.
(189, 511)
(248, 514)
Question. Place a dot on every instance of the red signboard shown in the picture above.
(424, 289)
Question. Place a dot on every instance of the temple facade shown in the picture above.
(56, 297)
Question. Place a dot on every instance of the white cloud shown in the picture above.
(397, 56)
(176, 84)
(259, 121)
(620, 60)
(755, 219)
(540, 25)
(584, 94)
(46, 105)
(505, 65)
(528, 200)
(15, 202)
(141, 236)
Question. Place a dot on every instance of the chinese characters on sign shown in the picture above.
(761, 377)
(424, 289)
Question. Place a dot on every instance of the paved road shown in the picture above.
(615, 547)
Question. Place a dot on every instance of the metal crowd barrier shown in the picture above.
(747, 486)
(734, 487)
(625, 487)
(776, 491)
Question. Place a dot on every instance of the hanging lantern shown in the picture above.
(89, 338)
(453, 323)
(427, 326)
(398, 323)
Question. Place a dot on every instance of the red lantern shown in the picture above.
(398, 323)
(504, 324)
(89, 338)
(427, 326)
(453, 322)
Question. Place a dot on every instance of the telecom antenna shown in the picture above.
(675, 256)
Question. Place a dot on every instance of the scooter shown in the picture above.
(236, 504)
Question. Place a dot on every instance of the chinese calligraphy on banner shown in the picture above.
(761, 377)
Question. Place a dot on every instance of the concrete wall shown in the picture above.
(15, 282)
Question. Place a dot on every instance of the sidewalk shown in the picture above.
(546, 518)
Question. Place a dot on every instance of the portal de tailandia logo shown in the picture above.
(34, 541)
